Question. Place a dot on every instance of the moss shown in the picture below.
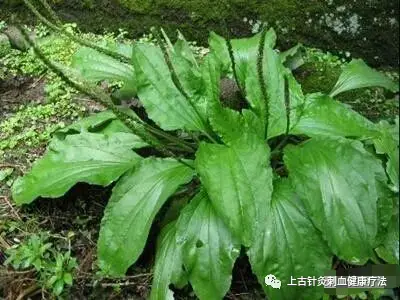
(363, 28)
(373, 103)
(317, 78)
(321, 72)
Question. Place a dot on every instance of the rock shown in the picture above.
(365, 28)
(3, 39)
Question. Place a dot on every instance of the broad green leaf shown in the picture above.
(219, 50)
(293, 58)
(135, 200)
(121, 48)
(190, 75)
(245, 53)
(161, 99)
(68, 279)
(86, 157)
(289, 246)
(91, 123)
(183, 48)
(296, 99)
(126, 92)
(324, 116)
(168, 266)
(385, 207)
(389, 250)
(336, 179)
(244, 49)
(275, 87)
(209, 249)
(388, 143)
(357, 75)
(238, 180)
(4, 173)
(102, 123)
(230, 124)
(96, 66)
(211, 75)
(185, 64)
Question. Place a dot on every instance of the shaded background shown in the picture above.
(366, 28)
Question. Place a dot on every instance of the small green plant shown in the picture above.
(29, 254)
(3, 25)
(32, 126)
(41, 31)
(54, 268)
(59, 273)
(293, 179)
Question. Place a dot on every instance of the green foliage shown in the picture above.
(58, 49)
(95, 66)
(54, 268)
(30, 254)
(206, 241)
(288, 177)
(41, 31)
(351, 79)
(168, 266)
(320, 72)
(322, 24)
(343, 199)
(32, 126)
(5, 173)
(273, 254)
(86, 153)
(142, 191)
(3, 25)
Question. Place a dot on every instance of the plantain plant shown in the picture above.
(288, 179)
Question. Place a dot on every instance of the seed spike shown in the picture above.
(61, 30)
(260, 72)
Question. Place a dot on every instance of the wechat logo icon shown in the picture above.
(272, 281)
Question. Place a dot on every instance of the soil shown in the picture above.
(17, 91)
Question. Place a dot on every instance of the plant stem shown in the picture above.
(95, 93)
(210, 137)
(185, 146)
(178, 85)
(232, 58)
(83, 42)
(279, 146)
(287, 105)
(113, 54)
(51, 12)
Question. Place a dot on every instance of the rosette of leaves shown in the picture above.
(291, 179)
